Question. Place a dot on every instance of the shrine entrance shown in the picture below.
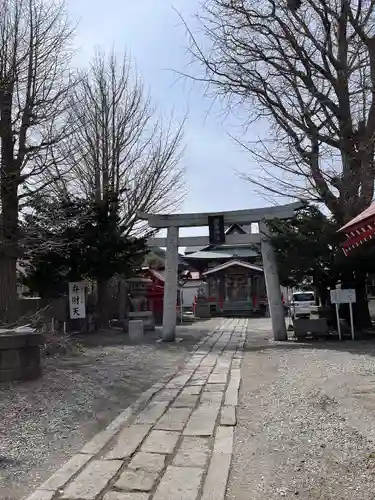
(237, 287)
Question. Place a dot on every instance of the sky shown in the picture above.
(152, 32)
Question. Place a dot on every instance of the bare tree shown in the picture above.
(308, 70)
(35, 53)
(123, 155)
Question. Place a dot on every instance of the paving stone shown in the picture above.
(236, 363)
(199, 382)
(148, 461)
(235, 374)
(179, 483)
(217, 477)
(218, 378)
(223, 440)
(128, 441)
(136, 479)
(186, 400)
(167, 395)
(121, 420)
(223, 364)
(203, 371)
(161, 442)
(194, 362)
(211, 397)
(115, 495)
(209, 360)
(193, 452)
(179, 381)
(198, 379)
(69, 469)
(174, 419)
(228, 415)
(99, 441)
(231, 395)
(41, 495)
(92, 480)
(215, 387)
(192, 389)
(202, 420)
(152, 412)
(198, 354)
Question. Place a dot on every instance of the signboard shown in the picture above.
(343, 296)
(216, 229)
(77, 306)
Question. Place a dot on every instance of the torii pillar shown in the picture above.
(170, 286)
(271, 276)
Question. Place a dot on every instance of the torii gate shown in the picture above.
(172, 242)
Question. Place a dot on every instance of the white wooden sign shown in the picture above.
(343, 296)
(77, 304)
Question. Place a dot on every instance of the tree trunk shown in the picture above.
(361, 313)
(8, 290)
(10, 178)
(102, 309)
(322, 295)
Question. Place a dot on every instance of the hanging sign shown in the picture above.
(77, 305)
(216, 229)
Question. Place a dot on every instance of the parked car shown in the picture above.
(301, 304)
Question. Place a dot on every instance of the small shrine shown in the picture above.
(233, 276)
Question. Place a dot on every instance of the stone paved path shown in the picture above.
(175, 443)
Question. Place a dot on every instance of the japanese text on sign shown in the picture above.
(77, 306)
(216, 229)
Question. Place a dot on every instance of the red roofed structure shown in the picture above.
(359, 230)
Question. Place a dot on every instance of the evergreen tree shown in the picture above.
(73, 240)
(309, 255)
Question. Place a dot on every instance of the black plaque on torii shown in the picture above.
(216, 229)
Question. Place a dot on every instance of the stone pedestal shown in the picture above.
(20, 355)
(202, 309)
(136, 332)
(146, 317)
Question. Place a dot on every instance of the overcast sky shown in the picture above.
(151, 30)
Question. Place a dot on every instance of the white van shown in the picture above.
(301, 304)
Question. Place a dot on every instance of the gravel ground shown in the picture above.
(44, 422)
(305, 421)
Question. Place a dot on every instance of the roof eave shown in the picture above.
(231, 263)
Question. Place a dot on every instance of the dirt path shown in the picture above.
(44, 422)
(306, 421)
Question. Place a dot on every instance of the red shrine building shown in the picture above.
(359, 230)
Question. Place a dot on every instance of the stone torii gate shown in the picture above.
(172, 242)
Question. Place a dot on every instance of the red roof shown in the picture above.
(359, 230)
(361, 219)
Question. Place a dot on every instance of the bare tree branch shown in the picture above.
(123, 156)
(308, 69)
(35, 80)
